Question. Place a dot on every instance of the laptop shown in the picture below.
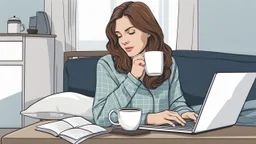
(223, 103)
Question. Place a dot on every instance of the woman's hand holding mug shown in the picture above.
(138, 64)
(151, 62)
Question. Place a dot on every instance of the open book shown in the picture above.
(72, 129)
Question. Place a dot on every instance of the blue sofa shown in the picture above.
(196, 69)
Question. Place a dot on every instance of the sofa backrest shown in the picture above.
(196, 69)
(80, 75)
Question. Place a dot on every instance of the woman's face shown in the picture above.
(131, 39)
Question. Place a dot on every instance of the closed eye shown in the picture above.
(132, 33)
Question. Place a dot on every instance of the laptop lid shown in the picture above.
(224, 100)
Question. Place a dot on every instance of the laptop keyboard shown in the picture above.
(188, 126)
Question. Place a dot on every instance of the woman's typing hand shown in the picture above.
(190, 115)
(165, 117)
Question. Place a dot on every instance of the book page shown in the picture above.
(56, 127)
(93, 128)
(75, 134)
(77, 121)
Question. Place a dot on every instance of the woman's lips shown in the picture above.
(128, 49)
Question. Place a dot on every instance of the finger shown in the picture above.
(170, 123)
(140, 62)
(168, 117)
(193, 117)
(178, 116)
(138, 57)
(196, 114)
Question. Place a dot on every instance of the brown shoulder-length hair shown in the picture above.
(142, 18)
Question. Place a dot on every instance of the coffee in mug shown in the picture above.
(128, 118)
(154, 63)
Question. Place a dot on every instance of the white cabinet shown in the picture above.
(10, 95)
(11, 51)
(27, 74)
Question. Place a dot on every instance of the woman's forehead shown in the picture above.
(122, 24)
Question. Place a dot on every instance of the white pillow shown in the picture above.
(61, 105)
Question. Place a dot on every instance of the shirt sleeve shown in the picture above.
(176, 98)
(110, 94)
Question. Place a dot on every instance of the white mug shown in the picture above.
(154, 61)
(128, 118)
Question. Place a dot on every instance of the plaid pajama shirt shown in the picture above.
(116, 90)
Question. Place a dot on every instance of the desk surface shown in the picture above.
(234, 135)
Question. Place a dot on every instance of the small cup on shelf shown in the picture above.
(32, 31)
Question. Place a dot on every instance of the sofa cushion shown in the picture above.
(196, 69)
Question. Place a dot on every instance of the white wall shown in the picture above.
(20, 8)
(227, 26)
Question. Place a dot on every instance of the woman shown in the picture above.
(121, 79)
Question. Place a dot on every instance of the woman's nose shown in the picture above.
(125, 41)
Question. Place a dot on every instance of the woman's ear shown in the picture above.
(149, 35)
